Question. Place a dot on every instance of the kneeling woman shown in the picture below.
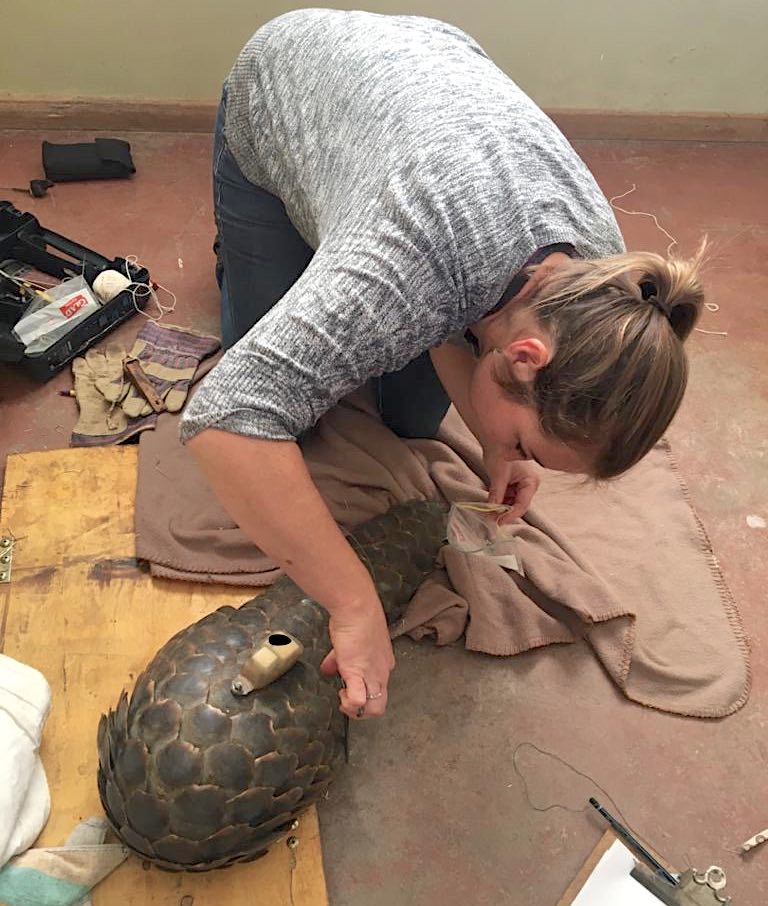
(381, 189)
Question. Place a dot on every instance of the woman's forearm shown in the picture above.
(266, 488)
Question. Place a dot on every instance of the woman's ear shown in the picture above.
(525, 357)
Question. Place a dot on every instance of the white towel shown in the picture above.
(25, 803)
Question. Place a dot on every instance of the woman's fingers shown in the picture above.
(352, 694)
(375, 707)
(519, 499)
(360, 700)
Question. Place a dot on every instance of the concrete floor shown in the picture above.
(431, 810)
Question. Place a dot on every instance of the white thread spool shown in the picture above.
(110, 284)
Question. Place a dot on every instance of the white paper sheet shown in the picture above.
(610, 883)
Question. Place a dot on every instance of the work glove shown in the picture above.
(101, 420)
(163, 361)
(168, 358)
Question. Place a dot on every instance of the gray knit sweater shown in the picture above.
(423, 177)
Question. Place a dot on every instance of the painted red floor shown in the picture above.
(432, 811)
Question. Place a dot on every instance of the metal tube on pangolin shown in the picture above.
(195, 776)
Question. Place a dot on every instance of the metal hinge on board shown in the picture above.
(6, 558)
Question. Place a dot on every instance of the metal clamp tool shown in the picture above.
(691, 888)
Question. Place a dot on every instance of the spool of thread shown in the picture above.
(110, 284)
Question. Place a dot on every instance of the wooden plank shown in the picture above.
(83, 612)
(178, 115)
(604, 844)
(618, 125)
(117, 115)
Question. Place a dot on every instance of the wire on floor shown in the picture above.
(559, 805)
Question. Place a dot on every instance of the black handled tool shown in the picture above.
(634, 844)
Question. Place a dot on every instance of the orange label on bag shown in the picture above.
(72, 306)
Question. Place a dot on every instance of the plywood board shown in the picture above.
(604, 844)
(83, 612)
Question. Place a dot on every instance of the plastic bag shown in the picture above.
(47, 321)
(473, 528)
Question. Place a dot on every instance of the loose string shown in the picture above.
(710, 306)
(568, 808)
(714, 308)
(142, 290)
(673, 241)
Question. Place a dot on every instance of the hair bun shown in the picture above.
(650, 294)
(673, 286)
(648, 290)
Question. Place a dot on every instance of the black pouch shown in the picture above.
(103, 158)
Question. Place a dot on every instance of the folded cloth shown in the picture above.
(25, 803)
(626, 566)
(62, 875)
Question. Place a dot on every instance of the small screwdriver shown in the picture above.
(38, 188)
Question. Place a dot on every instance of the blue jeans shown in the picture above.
(260, 255)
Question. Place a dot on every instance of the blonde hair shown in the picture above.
(619, 369)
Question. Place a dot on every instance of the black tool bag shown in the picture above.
(103, 158)
(23, 239)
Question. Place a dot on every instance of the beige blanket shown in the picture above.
(626, 566)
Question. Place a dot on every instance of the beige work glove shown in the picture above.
(101, 421)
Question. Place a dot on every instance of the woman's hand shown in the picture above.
(512, 482)
(362, 655)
